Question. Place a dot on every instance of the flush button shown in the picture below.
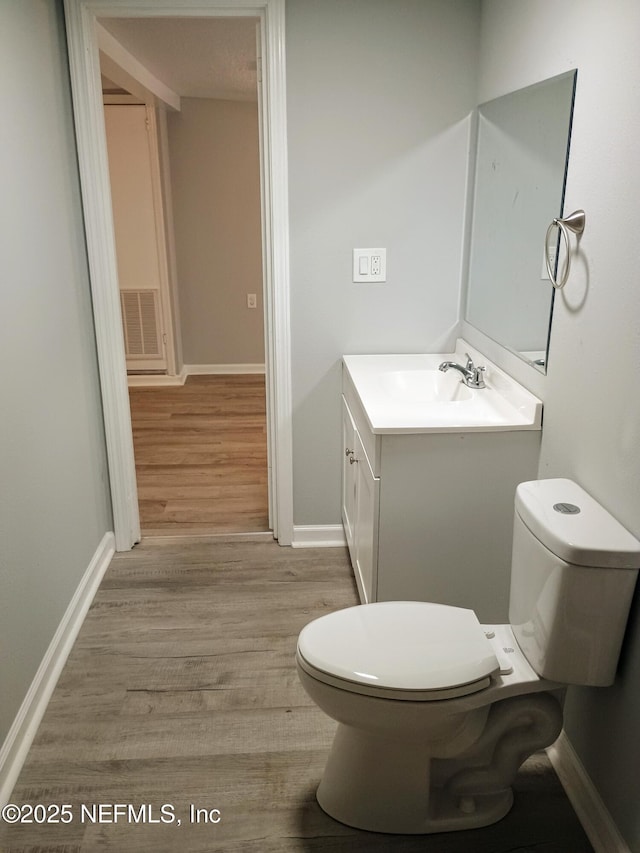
(567, 509)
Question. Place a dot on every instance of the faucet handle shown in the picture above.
(478, 377)
(470, 364)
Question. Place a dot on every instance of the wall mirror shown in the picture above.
(522, 151)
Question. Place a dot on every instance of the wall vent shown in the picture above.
(141, 323)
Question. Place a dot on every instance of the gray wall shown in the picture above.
(379, 95)
(215, 180)
(54, 500)
(592, 405)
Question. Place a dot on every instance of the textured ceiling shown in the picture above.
(196, 57)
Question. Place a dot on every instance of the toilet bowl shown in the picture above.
(435, 711)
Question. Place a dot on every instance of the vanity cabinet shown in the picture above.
(429, 516)
(348, 474)
(360, 494)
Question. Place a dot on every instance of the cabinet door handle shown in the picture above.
(348, 452)
(352, 459)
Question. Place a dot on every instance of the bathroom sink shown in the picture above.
(424, 386)
(406, 393)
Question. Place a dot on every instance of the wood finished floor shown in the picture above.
(201, 455)
(181, 688)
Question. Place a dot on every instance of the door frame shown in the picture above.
(84, 67)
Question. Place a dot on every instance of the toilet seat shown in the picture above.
(411, 650)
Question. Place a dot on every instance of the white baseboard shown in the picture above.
(16, 745)
(318, 536)
(144, 380)
(592, 813)
(210, 369)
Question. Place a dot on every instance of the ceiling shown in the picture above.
(196, 57)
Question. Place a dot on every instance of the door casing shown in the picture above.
(84, 66)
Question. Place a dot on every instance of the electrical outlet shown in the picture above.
(252, 300)
(369, 265)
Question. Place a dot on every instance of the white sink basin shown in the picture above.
(408, 394)
(424, 386)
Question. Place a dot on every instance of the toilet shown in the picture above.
(437, 712)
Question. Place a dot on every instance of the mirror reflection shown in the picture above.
(521, 161)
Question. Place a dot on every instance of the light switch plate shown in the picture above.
(369, 265)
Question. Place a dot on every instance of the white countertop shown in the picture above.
(406, 393)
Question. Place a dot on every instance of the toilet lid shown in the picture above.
(398, 646)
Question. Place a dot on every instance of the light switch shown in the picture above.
(363, 265)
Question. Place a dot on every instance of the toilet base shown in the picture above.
(385, 787)
(396, 782)
(487, 809)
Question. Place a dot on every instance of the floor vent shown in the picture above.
(141, 323)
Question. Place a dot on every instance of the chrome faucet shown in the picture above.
(471, 375)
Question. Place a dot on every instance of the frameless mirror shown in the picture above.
(522, 153)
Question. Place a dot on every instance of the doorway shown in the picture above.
(84, 66)
(199, 444)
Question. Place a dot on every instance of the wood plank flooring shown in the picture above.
(201, 455)
(181, 689)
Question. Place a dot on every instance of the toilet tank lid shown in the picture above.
(571, 524)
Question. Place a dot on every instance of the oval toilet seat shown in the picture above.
(411, 650)
(387, 693)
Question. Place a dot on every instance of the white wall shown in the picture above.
(54, 499)
(215, 180)
(592, 404)
(379, 95)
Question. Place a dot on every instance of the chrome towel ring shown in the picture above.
(574, 222)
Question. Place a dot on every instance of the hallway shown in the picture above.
(201, 455)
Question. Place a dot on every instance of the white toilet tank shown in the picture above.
(573, 572)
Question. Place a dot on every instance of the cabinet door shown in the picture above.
(349, 470)
(366, 526)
